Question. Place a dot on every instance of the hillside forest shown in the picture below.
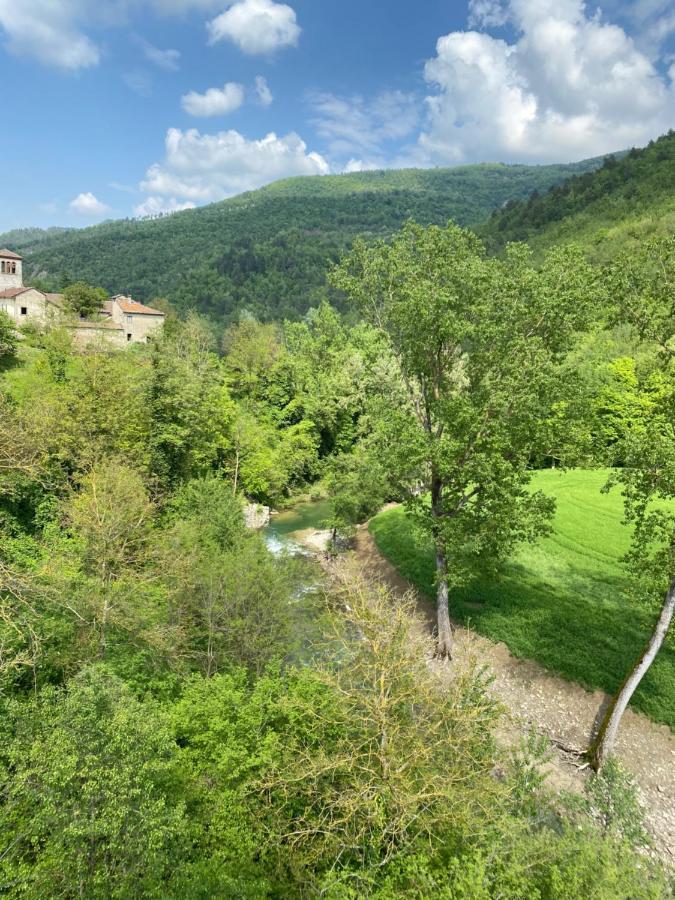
(188, 709)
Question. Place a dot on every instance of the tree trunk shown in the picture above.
(444, 646)
(236, 473)
(603, 743)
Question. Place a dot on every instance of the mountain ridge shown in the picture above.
(267, 251)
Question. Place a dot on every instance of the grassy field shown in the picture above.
(559, 601)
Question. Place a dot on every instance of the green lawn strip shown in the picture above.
(560, 601)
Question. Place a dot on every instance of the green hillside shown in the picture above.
(624, 202)
(268, 250)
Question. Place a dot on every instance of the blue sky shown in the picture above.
(135, 107)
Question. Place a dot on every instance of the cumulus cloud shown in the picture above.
(215, 102)
(48, 30)
(86, 204)
(54, 32)
(256, 26)
(357, 125)
(159, 206)
(201, 168)
(569, 86)
(263, 91)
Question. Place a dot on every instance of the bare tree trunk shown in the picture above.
(444, 645)
(603, 743)
(236, 473)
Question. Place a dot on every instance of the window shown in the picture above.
(24, 310)
(2, 266)
(129, 320)
(13, 268)
(128, 338)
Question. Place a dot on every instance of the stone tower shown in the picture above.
(11, 275)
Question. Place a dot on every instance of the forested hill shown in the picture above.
(268, 250)
(620, 204)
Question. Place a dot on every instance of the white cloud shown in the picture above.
(256, 26)
(355, 125)
(207, 167)
(359, 165)
(48, 30)
(215, 102)
(158, 206)
(86, 204)
(569, 86)
(263, 91)
(54, 32)
(163, 59)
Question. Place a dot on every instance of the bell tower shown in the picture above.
(11, 275)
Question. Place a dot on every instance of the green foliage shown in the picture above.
(91, 795)
(612, 208)
(478, 341)
(8, 338)
(268, 251)
(612, 799)
(83, 299)
(189, 405)
(561, 601)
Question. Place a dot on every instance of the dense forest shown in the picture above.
(626, 201)
(268, 251)
(188, 709)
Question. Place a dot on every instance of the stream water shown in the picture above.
(279, 533)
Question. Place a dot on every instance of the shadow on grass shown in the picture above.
(575, 623)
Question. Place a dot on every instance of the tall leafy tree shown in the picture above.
(644, 285)
(477, 341)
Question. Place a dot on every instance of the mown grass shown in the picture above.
(560, 601)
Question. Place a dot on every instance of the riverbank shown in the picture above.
(561, 710)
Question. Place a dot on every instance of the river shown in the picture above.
(285, 528)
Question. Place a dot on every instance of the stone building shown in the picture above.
(121, 320)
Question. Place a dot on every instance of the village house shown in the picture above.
(121, 319)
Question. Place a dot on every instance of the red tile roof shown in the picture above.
(7, 254)
(129, 306)
(8, 293)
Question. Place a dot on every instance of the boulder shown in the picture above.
(256, 516)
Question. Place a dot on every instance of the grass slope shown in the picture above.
(559, 601)
(606, 211)
(268, 250)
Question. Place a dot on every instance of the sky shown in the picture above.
(116, 108)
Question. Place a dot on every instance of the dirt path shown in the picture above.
(561, 710)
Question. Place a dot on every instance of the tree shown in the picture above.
(381, 754)
(644, 285)
(8, 339)
(110, 518)
(188, 403)
(83, 299)
(251, 350)
(229, 597)
(477, 341)
(91, 795)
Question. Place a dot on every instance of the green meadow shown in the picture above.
(561, 601)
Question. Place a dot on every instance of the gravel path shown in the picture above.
(562, 710)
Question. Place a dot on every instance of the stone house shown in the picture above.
(120, 321)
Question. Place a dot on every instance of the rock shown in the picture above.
(256, 516)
